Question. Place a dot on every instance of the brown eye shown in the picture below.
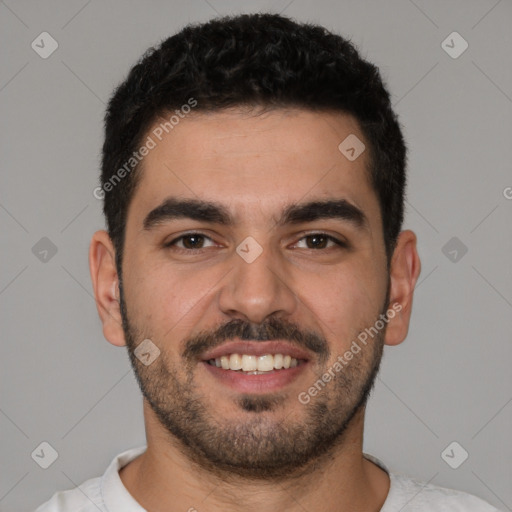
(189, 241)
(193, 241)
(320, 241)
(317, 241)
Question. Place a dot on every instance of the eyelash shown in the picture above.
(170, 244)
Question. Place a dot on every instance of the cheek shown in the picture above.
(167, 301)
(343, 304)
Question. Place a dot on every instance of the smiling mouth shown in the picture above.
(256, 365)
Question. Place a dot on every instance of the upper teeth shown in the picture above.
(249, 363)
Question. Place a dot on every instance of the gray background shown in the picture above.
(61, 382)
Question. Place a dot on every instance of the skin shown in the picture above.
(254, 165)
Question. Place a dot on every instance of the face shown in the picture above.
(284, 265)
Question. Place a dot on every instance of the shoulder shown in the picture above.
(98, 494)
(408, 495)
(85, 498)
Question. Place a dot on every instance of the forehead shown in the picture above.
(255, 160)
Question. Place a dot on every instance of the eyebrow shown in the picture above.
(296, 213)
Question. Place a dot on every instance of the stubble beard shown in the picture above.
(257, 446)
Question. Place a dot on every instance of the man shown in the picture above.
(253, 181)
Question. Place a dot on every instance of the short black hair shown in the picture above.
(251, 60)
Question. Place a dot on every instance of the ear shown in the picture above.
(404, 272)
(105, 282)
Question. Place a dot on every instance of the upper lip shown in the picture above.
(256, 348)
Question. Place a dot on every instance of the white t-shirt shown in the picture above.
(108, 494)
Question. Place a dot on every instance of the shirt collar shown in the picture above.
(114, 493)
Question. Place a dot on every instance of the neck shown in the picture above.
(164, 478)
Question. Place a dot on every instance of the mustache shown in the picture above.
(270, 330)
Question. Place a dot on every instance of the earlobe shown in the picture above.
(105, 284)
(404, 272)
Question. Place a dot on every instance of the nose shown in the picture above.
(259, 288)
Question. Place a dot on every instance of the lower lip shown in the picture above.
(262, 383)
